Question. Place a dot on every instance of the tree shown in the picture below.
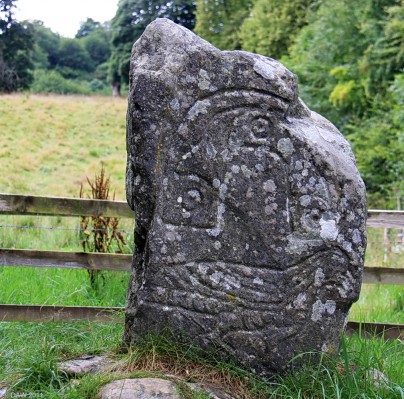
(87, 27)
(16, 44)
(130, 21)
(385, 58)
(378, 143)
(329, 56)
(98, 47)
(96, 38)
(46, 49)
(349, 60)
(272, 25)
(74, 56)
(6, 14)
(219, 21)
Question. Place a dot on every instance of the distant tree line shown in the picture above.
(348, 55)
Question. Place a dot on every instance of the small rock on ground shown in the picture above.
(85, 364)
(378, 378)
(3, 392)
(140, 388)
(211, 391)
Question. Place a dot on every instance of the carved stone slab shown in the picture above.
(250, 210)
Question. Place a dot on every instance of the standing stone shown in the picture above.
(250, 210)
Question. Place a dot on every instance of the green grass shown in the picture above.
(49, 144)
(382, 303)
(50, 286)
(30, 353)
(42, 286)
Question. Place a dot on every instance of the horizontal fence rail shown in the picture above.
(380, 330)
(12, 204)
(386, 219)
(35, 313)
(383, 275)
(15, 204)
(119, 262)
(65, 260)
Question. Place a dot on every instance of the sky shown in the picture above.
(64, 16)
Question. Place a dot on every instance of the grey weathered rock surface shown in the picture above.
(85, 364)
(249, 207)
(139, 388)
(214, 393)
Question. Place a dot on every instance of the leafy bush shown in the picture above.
(54, 82)
(97, 86)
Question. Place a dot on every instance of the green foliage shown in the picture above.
(378, 143)
(30, 352)
(73, 55)
(6, 14)
(54, 82)
(347, 58)
(131, 19)
(331, 57)
(316, 53)
(219, 21)
(78, 60)
(46, 49)
(96, 39)
(16, 44)
(97, 46)
(87, 27)
(272, 25)
(347, 375)
(385, 58)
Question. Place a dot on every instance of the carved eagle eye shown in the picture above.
(261, 127)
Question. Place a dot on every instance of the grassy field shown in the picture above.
(48, 146)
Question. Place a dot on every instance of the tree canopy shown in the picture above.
(272, 25)
(131, 19)
(349, 60)
(219, 21)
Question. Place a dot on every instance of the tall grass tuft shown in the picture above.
(362, 369)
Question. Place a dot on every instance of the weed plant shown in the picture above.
(100, 233)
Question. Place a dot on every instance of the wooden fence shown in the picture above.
(11, 204)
